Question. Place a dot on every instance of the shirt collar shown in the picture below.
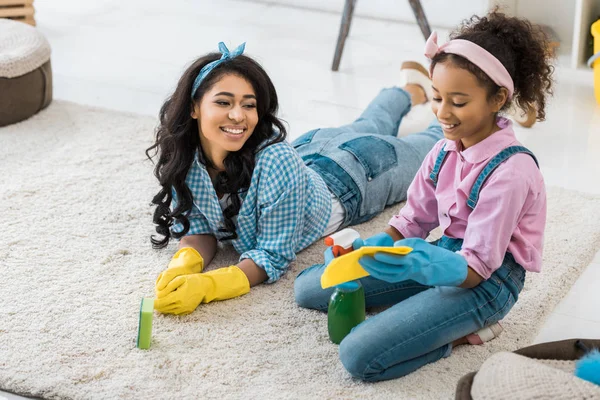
(197, 160)
(489, 146)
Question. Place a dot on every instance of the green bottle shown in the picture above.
(346, 310)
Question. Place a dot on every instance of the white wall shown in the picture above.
(556, 13)
(440, 13)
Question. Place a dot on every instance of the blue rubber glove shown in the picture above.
(328, 255)
(427, 264)
(381, 239)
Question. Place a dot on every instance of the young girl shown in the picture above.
(228, 174)
(480, 186)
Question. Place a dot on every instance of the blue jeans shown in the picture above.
(421, 323)
(364, 164)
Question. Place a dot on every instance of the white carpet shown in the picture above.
(75, 260)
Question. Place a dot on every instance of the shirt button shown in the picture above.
(369, 178)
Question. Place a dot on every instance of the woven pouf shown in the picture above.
(25, 72)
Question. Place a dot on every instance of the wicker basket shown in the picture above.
(19, 10)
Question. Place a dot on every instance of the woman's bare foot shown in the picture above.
(415, 80)
(417, 94)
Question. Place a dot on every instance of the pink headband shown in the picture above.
(474, 53)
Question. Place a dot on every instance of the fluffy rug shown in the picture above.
(75, 260)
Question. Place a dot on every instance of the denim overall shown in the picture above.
(423, 321)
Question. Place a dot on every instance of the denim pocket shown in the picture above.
(375, 154)
(305, 138)
(504, 309)
(496, 280)
(518, 279)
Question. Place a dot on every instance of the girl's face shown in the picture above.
(461, 105)
(226, 117)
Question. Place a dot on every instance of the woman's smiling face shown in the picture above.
(226, 117)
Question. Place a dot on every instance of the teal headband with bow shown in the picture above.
(226, 55)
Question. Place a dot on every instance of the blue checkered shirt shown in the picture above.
(286, 208)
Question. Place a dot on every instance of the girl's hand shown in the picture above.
(381, 239)
(426, 264)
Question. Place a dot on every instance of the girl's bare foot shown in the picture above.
(459, 342)
(481, 336)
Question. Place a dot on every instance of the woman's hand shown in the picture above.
(186, 261)
(184, 293)
(194, 254)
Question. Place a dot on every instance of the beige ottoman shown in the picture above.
(25, 72)
(541, 371)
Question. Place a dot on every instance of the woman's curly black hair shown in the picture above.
(522, 47)
(177, 140)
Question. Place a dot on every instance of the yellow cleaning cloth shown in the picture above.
(346, 268)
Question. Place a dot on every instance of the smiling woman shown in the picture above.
(228, 174)
(229, 117)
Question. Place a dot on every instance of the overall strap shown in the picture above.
(491, 166)
(438, 164)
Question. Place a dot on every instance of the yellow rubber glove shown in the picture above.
(186, 261)
(184, 293)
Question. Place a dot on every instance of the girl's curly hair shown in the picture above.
(522, 47)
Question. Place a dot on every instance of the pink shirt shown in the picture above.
(510, 214)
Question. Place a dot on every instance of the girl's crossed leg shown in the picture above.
(421, 325)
